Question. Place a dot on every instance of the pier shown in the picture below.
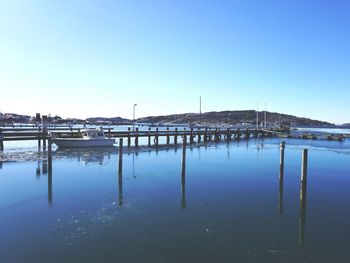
(195, 135)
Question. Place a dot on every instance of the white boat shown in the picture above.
(90, 138)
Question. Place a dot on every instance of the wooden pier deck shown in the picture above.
(153, 135)
(194, 135)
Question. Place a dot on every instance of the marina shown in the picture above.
(174, 131)
(116, 202)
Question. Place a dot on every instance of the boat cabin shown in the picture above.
(92, 134)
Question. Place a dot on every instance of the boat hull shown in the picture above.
(81, 143)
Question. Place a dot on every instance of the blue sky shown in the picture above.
(98, 58)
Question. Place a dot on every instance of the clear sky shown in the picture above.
(97, 58)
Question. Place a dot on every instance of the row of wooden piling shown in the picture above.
(204, 136)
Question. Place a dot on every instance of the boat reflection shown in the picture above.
(85, 155)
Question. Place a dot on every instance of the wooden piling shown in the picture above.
(205, 135)
(282, 147)
(167, 136)
(49, 149)
(120, 173)
(199, 135)
(247, 133)
(184, 142)
(238, 134)
(44, 130)
(156, 138)
(39, 137)
(137, 137)
(129, 137)
(303, 188)
(304, 173)
(191, 136)
(175, 136)
(49, 178)
(1, 141)
(183, 174)
(120, 167)
(255, 133)
(149, 137)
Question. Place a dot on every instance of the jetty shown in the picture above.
(153, 135)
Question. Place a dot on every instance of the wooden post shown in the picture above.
(247, 133)
(39, 137)
(120, 173)
(120, 168)
(183, 174)
(199, 135)
(304, 173)
(205, 135)
(149, 137)
(129, 138)
(175, 136)
(281, 177)
(44, 131)
(303, 197)
(156, 138)
(49, 178)
(191, 136)
(109, 132)
(137, 137)
(167, 136)
(238, 134)
(228, 135)
(1, 141)
(49, 151)
(255, 133)
(184, 142)
(282, 147)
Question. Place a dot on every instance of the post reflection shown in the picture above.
(38, 170)
(303, 191)
(280, 192)
(302, 214)
(183, 176)
(281, 177)
(49, 180)
(120, 188)
(44, 167)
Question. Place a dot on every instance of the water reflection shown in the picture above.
(280, 192)
(183, 177)
(302, 213)
(49, 183)
(120, 188)
(88, 155)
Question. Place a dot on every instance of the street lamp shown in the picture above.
(133, 117)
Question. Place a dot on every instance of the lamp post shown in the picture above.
(257, 115)
(133, 117)
(265, 117)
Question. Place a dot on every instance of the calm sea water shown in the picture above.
(227, 205)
